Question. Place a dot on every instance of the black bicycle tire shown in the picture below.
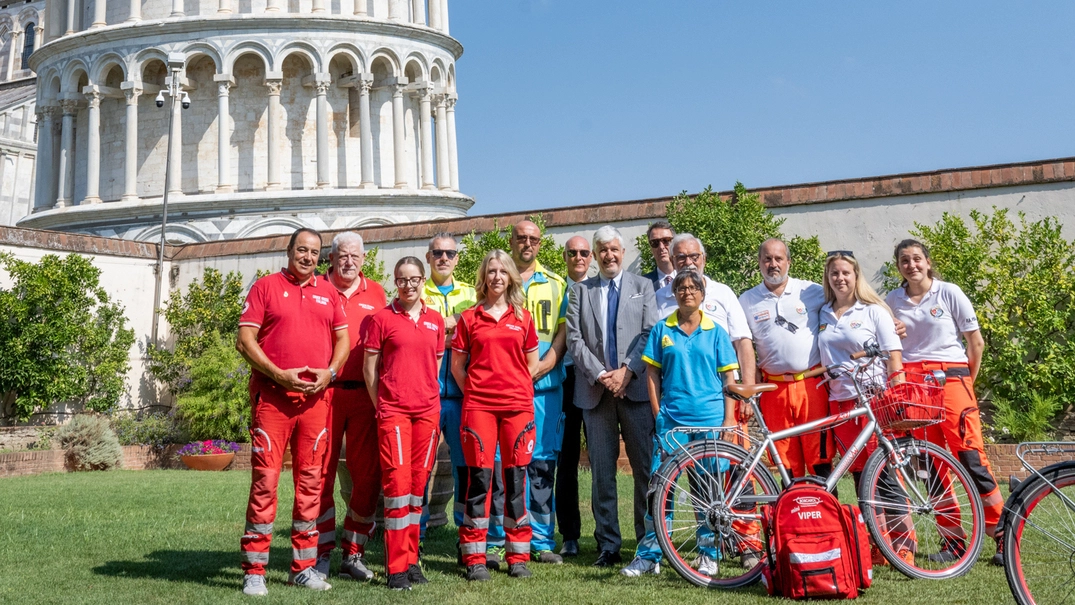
(1014, 517)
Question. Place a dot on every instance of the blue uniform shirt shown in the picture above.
(692, 388)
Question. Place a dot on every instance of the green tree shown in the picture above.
(1021, 281)
(215, 404)
(208, 311)
(63, 339)
(475, 247)
(732, 230)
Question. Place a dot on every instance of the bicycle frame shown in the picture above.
(1049, 448)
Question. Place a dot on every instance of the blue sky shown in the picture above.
(567, 102)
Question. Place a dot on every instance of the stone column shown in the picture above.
(44, 178)
(65, 189)
(223, 142)
(223, 7)
(443, 173)
(360, 8)
(273, 181)
(318, 6)
(453, 154)
(443, 15)
(365, 131)
(175, 141)
(322, 132)
(434, 14)
(177, 9)
(274, 6)
(72, 10)
(24, 132)
(130, 156)
(100, 12)
(134, 13)
(424, 95)
(93, 147)
(15, 35)
(398, 134)
(395, 10)
(418, 10)
(39, 38)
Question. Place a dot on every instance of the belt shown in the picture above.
(348, 385)
(789, 377)
(957, 372)
(951, 369)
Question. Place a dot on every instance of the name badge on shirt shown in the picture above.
(762, 316)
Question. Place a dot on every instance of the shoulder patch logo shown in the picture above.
(821, 328)
(936, 312)
(246, 307)
(666, 341)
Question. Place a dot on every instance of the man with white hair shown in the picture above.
(351, 413)
(720, 303)
(784, 315)
(608, 322)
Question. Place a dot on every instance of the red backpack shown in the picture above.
(816, 547)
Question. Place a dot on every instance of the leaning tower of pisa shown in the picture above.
(321, 113)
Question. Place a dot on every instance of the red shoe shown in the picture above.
(907, 556)
(876, 558)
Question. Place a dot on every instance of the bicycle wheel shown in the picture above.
(1039, 538)
(702, 529)
(922, 502)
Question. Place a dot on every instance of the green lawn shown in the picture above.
(173, 537)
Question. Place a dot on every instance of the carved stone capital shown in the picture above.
(69, 107)
(222, 89)
(94, 99)
(274, 87)
(365, 85)
(322, 87)
(450, 102)
(132, 95)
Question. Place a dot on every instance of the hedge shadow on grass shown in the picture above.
(207, 567)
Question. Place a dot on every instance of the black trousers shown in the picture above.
(567, 479)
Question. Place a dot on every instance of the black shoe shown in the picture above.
(458, 555)
(494, 557)
(414, 574)
(478, 573)
(997, 560)
(570, 548)
(519, 570)
(608, 558)
(399, 581)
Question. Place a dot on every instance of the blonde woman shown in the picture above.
(495, 356)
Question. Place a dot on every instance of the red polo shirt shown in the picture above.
(407, 376)
(366, 300)
(296, 323)
(498, 377)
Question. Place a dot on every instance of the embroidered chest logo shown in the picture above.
(513, 327)
(855, 325)
(321, 300)
(431, 326)
(800, 309)
(936, 312)
(285, 293)
(711, 307)
(666, 341)
(761, 315)
(365, 306)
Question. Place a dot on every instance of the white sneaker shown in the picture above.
(639, 567)
(705, 565)
(355, 568)
(254, 585)
(308, 578)
(322, 564)
(749, 559)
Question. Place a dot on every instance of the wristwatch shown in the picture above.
(332, 373)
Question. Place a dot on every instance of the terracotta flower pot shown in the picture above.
(208, 462)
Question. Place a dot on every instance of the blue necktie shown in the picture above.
(611, 353)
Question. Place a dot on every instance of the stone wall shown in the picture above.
(135, 458)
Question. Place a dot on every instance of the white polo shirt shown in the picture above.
(837, 339)
(720, 305)
(780, 351)
(935, 325)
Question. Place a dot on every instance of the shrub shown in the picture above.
(153, 429)
(90, 444)
(63, 339)
(45, 436)
(731, 231)
(216, 403)
(1021, 281)
(475, 247)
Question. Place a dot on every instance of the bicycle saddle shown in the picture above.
(742, 392)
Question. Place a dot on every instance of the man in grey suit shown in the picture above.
(609, 318)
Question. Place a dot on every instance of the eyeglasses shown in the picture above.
(439, 253)
(683, 290)
(580, 253)
(847, 253)
(691, 257)
(658, 242)
(414, 282)
(528, 239)
(354, 258)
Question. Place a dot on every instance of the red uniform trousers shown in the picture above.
(791, 404)
(961, 432)
(279, 420)
(480, 432)
(352, 420)
(408, 450)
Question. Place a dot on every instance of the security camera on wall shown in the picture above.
(186, 100)
(160, 98)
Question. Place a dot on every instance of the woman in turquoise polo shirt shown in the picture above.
(690, 359)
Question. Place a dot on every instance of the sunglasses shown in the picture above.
(449, 253)
(658, 242)
(580, 253)
(847, 253)
(524, 239)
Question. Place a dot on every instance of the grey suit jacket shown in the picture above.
(586, 336)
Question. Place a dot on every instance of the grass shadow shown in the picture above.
(207, 567)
